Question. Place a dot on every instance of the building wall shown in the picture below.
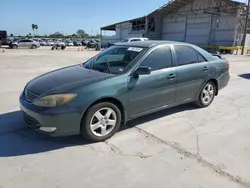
(157, 34)
(198, 27)
(123, 30)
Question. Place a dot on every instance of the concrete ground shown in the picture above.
(181, 147)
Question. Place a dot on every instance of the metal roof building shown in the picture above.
(201, 22)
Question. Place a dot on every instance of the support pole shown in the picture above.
(146, 27)
(186, 24)
(245, 30)
(101, 37)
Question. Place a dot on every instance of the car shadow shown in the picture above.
(245, 76)
(17, 139)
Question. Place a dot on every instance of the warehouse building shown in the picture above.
(201, 22)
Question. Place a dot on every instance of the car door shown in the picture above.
(28, 43)
(192, 72)
(21, 43)
(148, 93)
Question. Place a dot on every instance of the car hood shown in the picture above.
(64, 80)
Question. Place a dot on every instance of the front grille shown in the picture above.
(29, 96)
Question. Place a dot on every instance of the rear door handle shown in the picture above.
(171, 76)
(205, 69)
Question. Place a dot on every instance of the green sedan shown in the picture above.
(124, 82)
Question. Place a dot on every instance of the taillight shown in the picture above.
(228, 65)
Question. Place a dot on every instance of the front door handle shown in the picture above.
(171, 76)
(205, 69)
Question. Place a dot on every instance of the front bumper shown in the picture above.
(54, 122)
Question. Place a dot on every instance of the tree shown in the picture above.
(80, 32)
(34, 27)
(11, 35)
(57, 35)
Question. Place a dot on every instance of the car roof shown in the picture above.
(149, 43)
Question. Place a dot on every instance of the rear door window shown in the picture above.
(185, 55)
(201, 58)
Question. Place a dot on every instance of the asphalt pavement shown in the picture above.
(180, 147)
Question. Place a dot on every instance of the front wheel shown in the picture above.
(206, 95)
(14, 46)
(101, 122)
(33, 47)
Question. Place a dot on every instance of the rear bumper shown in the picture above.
(223, 81)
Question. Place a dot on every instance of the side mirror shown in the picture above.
(143, 71)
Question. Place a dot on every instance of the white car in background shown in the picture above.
(133, 39)
(59, 43)
(42, 42)
(129, 40)
(69, 43)
(50, 43)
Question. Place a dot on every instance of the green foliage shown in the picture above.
(80, 34)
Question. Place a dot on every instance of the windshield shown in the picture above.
(124, 40)
(113, 60)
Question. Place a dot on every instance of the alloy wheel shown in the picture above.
(103, 122)
(207, 93)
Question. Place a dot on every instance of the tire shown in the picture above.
(52, 48)
(201, 102)
(14, 46)
(33, 46)
(95, 133)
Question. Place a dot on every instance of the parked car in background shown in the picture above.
(25, 43)
(129, 40)
(50, 42)
(69, 43)
(7, 42)
(91, 44)
(3, 37)
(59, 42)
(77, 43)
(42, 42)
(84, 42)
(124, 82)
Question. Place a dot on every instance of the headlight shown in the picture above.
(54, 100)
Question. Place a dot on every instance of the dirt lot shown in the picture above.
(181, 147)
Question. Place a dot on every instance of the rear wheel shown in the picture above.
(206, 95)
(101, 122)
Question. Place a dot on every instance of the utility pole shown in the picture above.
(245, 29)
